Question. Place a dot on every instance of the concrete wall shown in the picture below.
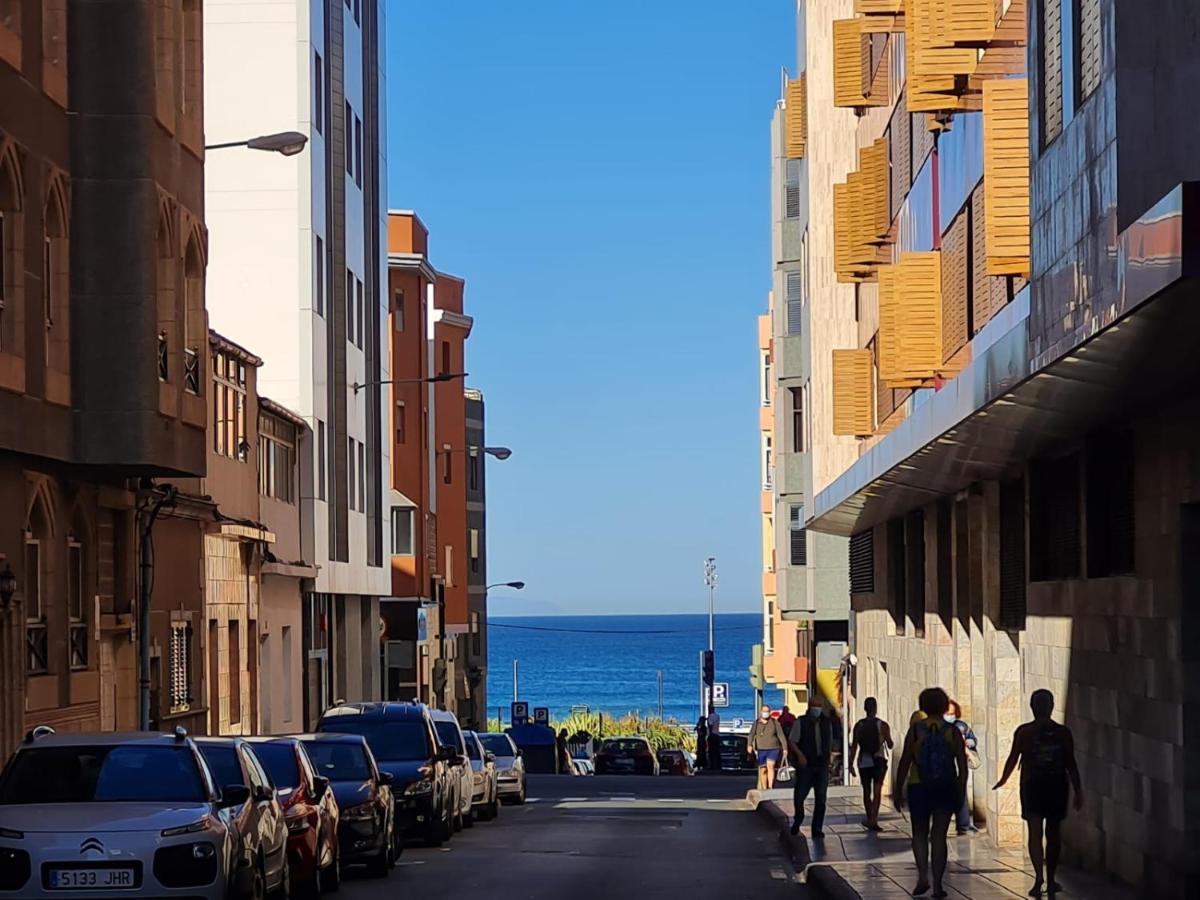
(281, 681)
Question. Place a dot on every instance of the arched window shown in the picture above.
(168, 319)
(56, 277)
(195, 323)
(12, 252)
(37, 580)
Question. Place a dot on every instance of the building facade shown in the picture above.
(1020, 512)
(300, 275)
(473, 650)
(98, 330)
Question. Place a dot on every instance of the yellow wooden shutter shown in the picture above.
(937, 75)
(880, 16)
(853, 393)
(964, 23)
(796, 117)
(873, 161)
(920, 325)
(1006, 174)
(888, 345)
(851, 54)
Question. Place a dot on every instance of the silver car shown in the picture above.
(485, 799)
(103, 815)
(449, 734)
(510, 767)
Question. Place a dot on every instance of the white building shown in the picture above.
(297, 269)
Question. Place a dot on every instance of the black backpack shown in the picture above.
(868, 736)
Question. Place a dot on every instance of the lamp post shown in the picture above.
(432, 379)
(285, 143)
(516, 586)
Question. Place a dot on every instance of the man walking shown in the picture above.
(1046, 752)
(869, 743)
(702, 742)
(811, 746)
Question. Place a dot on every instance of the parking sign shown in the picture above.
(720, 693)
(541, 715)
(520, 713)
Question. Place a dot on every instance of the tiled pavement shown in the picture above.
(880, 866)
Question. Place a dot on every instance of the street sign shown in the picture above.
(541, 715)
(720, 693)
(520, 713)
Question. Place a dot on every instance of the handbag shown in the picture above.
(973, 760)
(786, 772)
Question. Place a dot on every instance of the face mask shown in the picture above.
(764, 716)
(814, 711)
(950, 718)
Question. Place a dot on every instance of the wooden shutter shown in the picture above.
(964, 23)
(1005, 54)
(900, 134)
(889, 338)
(853, 393)
(956, 281)
(982, 306)
(873, 161)
(937, 75)
(920, 315)
(796, 117)
(880, 16)
(1006, 174)
(850, 46)
(1091, 62)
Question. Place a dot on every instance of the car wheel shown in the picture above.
(457, 823)
(379, 865)
(397, 844)
(520, 801)
(330, 878)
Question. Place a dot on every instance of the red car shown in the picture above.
(311, 813)
(675, 762)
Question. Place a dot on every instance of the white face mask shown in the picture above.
(814, 711)
(950, 718)
(764, 716)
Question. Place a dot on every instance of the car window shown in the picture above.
(397, 741)
(306, 767)
(222, 759)
(112, 774)
(500, 744)
(258, 778)
(624, 746)
(280, 762)
(449, 735)
(339, 761)
(473, 747)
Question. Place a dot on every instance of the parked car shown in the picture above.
(402, 738)
(93, 815)
(310, 810)
(675, 761)
(735, 753)
(252, 811)
(626, 756)
(510, 767)
(364, 794)
(485, 797)
(583, 766)
(449, 734)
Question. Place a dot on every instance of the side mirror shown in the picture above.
(386, 778)
(458, 760)
(234, 795)
(520, 753)
(320, 787)
(262, 793)
(446, 754)
(489, 756)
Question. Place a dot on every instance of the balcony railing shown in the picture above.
(769, 479)
(164, 369)
(191, 371)
(79, 645)
(36, 648)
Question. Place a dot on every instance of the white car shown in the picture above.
(486, 797)
(104, 815)
(510, 767)
(450, 735)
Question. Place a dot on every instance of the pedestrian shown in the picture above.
(933, 764)
(811, 745)
(714, 739)
(1046, 751)
(767, 741)
(954, 717)
(702, 742)
(564, 755)
(869, 742)
(786, 720)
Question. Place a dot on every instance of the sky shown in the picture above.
(599, 174)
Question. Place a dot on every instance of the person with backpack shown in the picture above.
(1046, 752)
(869, 743)
(933, 766)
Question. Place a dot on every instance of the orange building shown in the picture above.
(427, 612)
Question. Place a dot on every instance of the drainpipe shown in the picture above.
(164, 496)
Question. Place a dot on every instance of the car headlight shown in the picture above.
(364, 812)
(198, 825)
(424, 786)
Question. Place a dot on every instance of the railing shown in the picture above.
(37, 650)
(79, 645)
(164, 370)
(769, 480)
(191, 371)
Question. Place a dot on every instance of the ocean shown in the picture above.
(610, 663)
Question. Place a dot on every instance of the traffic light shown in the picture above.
(707, 668)
(757, 681)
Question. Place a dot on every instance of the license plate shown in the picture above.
(91, 879)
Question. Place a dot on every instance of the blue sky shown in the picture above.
(598, 173)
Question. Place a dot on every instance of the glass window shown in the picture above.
(280, 763)
(402, 530)
(473, 748)
(449, 735)
(103, 774)
(258, 775)
(223, 762)
(348, 127)
(320, 460)
(319, 270)
(500, 744)
(389, 741)
(338, 761)
(318, 91)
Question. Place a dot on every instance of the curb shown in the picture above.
(824, 880)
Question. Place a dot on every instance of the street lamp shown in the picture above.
(285, 143)
(432, 379)
(500, 453)
(515, 585)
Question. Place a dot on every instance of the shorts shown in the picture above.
(926, 800)
(1044, 798)
(873, 774)
(766, 756)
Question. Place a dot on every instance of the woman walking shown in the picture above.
(767, 741)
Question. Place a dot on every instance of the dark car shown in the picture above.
(735, 753)
(253, 814)
(626, 756)
(402, 738)
(675, 762)
(310, 811)
(367, 832)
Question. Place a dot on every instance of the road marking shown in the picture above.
(666, 800)
(623, 798)
(573, 800)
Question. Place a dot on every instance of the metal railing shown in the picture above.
(191, 371)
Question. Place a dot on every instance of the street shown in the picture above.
(607, 836)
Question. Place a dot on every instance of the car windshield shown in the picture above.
(222, 760)
(497, 743)
(627, 746)
(472, 747)
(339, 761)
(280, 762)
(113, 774)
(449, 735)
(733, 742)
(392, 741)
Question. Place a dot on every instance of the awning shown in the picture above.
(1003, 409)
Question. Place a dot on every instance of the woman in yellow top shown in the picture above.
(933, 765)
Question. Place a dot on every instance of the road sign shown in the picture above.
(720, 693)
(541, 715)
(520, 713)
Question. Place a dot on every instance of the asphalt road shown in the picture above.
(613, 837)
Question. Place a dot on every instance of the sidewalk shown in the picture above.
(880, 866)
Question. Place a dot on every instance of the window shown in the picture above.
(448, 465)
(276, 458)
(77, 605)
(1110, 504)
(320, 460)
(1012, 555)
(914, 547)
(769, 635)
(1091, 63)
(473, 469)
(319, 271)
(353, 486)
(1054, 539)
(164, 366)
(179, 660)
(474, 549)
(348, 127)
(358, 151)
(445, 370)
(287, 673)
(895, 572)
(350, 306)
(476, 635)
(1059, 63)
(797, 395)
(797, 535)
(401, 423)
(362, 477)
(358, 312)
(449, 551)
(235, 672)
(35, 613)
(768, 462)
(358, 12)
(318, 91)
(794, 282)
(398, 309)
(945, 562)
(229, 406)
(766, 378)
(792, 189)
(402, 530)
(862, 562)
(191, 370)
